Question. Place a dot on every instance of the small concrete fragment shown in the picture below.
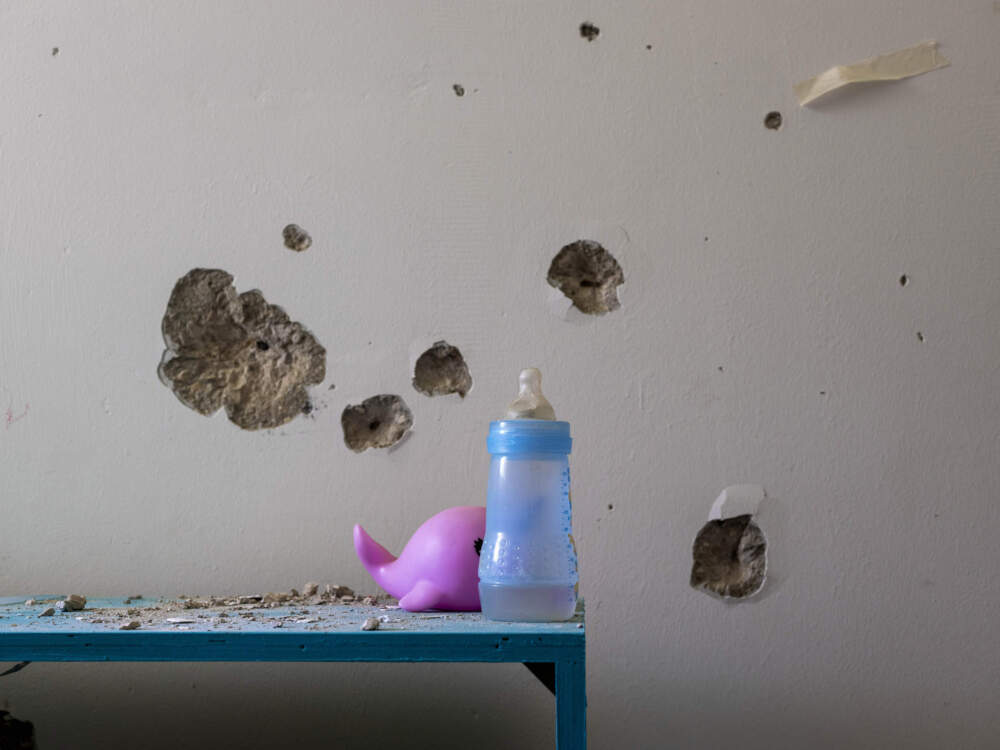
(310, 589)
(296, 238)
(48, 612)
(588, 275)
(236, 352)
(131, 625)
(730, 558)
(72, 603)
(377, 422)
(371, 623)
(441, 370)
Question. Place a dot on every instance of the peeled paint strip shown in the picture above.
(893, 66)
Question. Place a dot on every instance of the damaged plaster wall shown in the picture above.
(236, 351)
(763, 335)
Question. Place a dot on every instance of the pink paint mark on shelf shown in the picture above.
(10, 418)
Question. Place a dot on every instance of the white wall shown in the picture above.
(168, 136)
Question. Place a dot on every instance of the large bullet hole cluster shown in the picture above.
(589, 275)
(730, 558)
(236, 352)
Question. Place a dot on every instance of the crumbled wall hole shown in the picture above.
(377, 422)
(441, 370)
(589, 275)
(237, 352)
(459, 89)
(588, 31)
(296, 238)
(730, 552)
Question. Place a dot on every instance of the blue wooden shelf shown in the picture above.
(555, 652)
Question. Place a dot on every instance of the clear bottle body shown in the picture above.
(528, 566)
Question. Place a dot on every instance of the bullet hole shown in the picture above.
(822, 393)
(649, 46)
(589, 275)
(904, 280)
(308, 408)
(15, 733)
(459, 89)
(377, 422)
(611, 506)
(296, 238)
(237, 352)
(332, 386)
(730, 558)
(588, 31)
(772, 120)
(720, 368)
(55, 51)
(920, 336)
(441, 370)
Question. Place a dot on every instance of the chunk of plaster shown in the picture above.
(893, 66)
(737, 500)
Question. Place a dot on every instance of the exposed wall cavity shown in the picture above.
(730, 551)
(296, 238)
(730, 558)
(589, 275)
(588, 31)
(441, 370)
(377, 422)
(237, 352)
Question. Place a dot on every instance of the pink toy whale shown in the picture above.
(438, 568)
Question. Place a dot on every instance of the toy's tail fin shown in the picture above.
(372, 554)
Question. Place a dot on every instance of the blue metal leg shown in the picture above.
(571, 704)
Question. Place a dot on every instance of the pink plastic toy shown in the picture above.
(438, 568)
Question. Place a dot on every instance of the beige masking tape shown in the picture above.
(912, 61)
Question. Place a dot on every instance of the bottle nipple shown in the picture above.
(530, 403)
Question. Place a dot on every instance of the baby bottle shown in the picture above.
(527, 564)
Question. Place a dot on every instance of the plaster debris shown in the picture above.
(589, 275)
(48, 612)
(180, 620)
(459, 89)
(588, 31)
(377, 422)
(371, 623)
(337, 591)
(130, 625)
(730, 558)
(310, 589)
(72, 603)
(440, 371)
(772, 120)
(296, 238)
(236, 352)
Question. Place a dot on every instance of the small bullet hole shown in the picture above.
(610, 506)
(263, 345)
(822, 393)
(649, 46)
(920, 336)
(588, 31)
(719, 368)
(706, 239)
(772, 120)
(55, 51)
(904, 280)
(459, 89)
(307, 408)
(374, 425)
